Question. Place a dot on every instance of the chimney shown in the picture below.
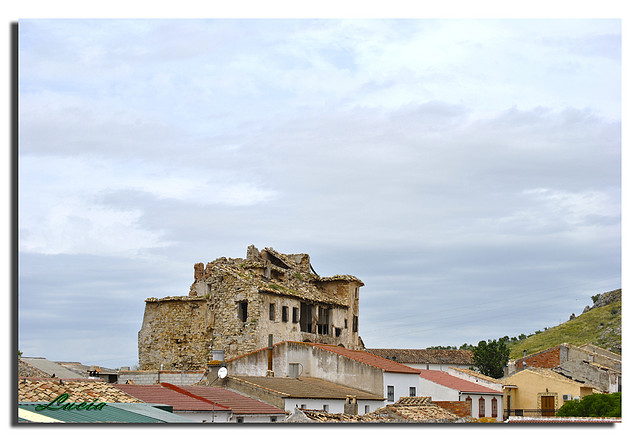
(351, 405)
(270, 357)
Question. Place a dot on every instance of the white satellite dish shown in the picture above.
(222, 372)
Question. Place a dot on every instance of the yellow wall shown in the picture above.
(531, 385)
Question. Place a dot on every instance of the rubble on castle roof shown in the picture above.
(296, 281)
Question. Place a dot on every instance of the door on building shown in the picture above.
(548, 405)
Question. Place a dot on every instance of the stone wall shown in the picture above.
(179, 378)
(175, 334)
(236, 304)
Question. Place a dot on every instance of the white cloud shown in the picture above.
(62, 211)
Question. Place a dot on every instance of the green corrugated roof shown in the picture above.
(111, 413)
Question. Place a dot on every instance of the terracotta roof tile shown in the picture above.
(477, 375)
(239, 404)
(417, 411)
(27, 370)
(48, 389)
(169, 395)
(307, 387)
(444, 379)
(439, 356)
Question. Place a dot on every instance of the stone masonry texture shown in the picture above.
(235, 304)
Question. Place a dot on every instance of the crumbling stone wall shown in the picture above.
(235, 304)
(175, 333)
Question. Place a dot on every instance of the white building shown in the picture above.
(442, 386)
(360, 370)
(429, 359)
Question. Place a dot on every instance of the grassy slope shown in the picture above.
(586, 328)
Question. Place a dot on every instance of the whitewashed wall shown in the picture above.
(401, 384)
(335, 406)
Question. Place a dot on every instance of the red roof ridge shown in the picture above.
(364, 355)
(453, 382)
(192, 395)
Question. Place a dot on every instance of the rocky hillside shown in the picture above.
(599, 324)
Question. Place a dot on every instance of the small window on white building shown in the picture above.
(412, 391)
(366, 408)
(325, 407)
(390, 394)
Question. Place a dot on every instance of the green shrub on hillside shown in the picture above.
(596, 405)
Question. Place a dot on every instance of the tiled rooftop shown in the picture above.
(170, 395)
(307, 387)
(542, 372)
(412, 410)
(444, 379)
(477, 375)
(27, 370)
(48, 389)
(238, 403)
(438, 356)
(50, 367)
(368, 358)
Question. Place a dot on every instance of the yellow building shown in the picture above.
(540, 392)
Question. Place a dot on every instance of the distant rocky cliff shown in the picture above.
(605, 299)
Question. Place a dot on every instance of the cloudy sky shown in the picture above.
(468, 171)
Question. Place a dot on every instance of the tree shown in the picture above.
(491, 358)
(595, 405)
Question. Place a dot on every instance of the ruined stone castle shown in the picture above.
(235, 304)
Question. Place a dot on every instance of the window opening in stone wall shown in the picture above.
(295, 315)
(390, 394)
(338, 332)
(306, 317)
(242, 311)
(346, 325)
(272, 311)
(357, 293)
(285, 313)
(412, 391)
(355, 323)
(323, 320)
